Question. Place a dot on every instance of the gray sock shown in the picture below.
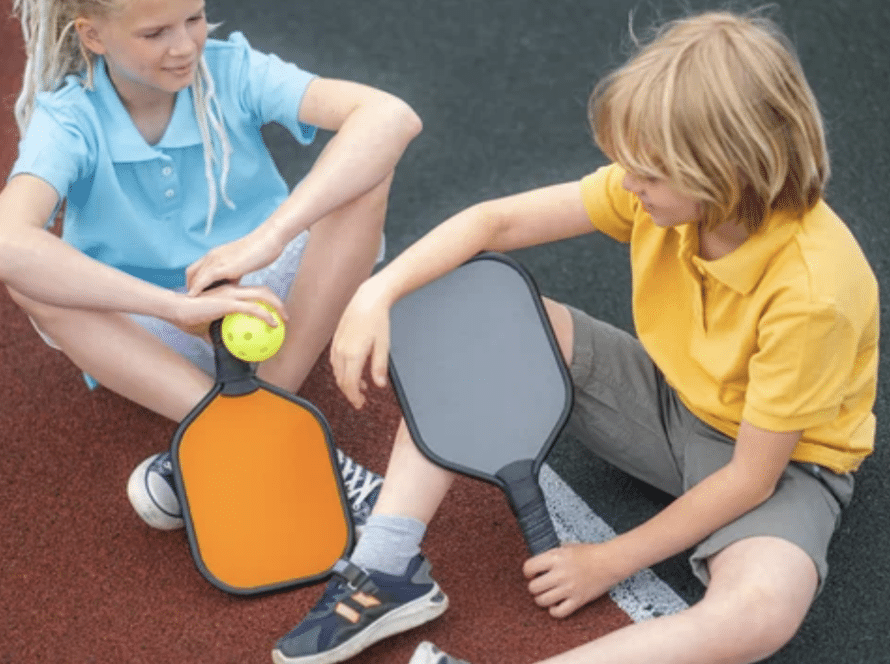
(388, 543)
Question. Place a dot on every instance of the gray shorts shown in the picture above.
(628, 415)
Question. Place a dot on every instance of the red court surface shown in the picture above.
(83, 580)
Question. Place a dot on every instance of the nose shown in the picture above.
(182, 44)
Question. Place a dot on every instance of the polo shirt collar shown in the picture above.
(125, 143)
(742, 269)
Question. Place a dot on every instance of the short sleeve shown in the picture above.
(57, 146)
(609, 205)
(272, 89)
(802, 366)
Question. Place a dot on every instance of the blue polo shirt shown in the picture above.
(143, 208)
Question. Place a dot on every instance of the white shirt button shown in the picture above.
(167, 171)
(169, 193)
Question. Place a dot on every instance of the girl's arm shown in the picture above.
(565, 579)
(42, 267)
(373, 129)
(522, 220)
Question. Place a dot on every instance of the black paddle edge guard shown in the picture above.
(529, 515)
(236, 377)
(194, 546)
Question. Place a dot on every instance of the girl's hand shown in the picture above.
(363, 332)
(193, 314)
(569, 577)
(230, 262)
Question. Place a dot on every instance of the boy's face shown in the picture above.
(666, 206)
(149, 46)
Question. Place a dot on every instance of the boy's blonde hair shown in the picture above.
(718, 105)
(54, 51)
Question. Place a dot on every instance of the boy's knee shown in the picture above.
(561, 322)
(763, 618)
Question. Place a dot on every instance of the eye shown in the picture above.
(154, 34)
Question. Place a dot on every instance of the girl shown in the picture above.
(742, 275)
(150, 135)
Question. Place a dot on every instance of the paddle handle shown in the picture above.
(527, 500)
(232, 373)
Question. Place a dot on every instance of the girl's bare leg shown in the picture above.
(123, 357)
(339, 255)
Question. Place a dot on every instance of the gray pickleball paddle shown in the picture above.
(483, 387)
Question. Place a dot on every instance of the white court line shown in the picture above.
(642, 596)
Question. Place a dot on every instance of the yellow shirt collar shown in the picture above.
(743, 268)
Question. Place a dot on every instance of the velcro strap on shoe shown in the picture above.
(354, 575)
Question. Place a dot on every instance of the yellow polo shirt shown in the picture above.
(782, 332)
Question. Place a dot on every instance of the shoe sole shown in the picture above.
(413, 614)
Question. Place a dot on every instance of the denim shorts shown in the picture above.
(277, 276)
(628, 415)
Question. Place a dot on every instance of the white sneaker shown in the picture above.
(153, 495)
(427, 653)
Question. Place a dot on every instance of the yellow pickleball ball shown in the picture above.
(250, 338)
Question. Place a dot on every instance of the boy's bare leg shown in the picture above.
(761, 588)
(414, 486)
(339, 255)
(760, 591)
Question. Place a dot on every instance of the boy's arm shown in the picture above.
(565, 579)
(42, 267)
(526, 219)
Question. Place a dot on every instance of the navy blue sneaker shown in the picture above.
(427, 653)
(362, 488)
(359, 608)
(153, 495)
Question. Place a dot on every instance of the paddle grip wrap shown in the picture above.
(235, 375)
(527, 501)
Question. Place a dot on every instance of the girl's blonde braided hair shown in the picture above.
(54, 51)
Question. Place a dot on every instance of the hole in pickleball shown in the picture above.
(248, 336)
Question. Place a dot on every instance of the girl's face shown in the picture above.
(149, 46)
(666, 206)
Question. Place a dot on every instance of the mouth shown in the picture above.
(185, 70)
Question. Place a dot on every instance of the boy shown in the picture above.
(742, 277)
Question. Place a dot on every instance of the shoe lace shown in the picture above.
(163, 466)
(359, 482)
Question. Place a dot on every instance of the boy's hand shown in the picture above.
(569, 577)
(230, 262)
(363, 332)
(194, 314)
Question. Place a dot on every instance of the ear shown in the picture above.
(89, 35)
